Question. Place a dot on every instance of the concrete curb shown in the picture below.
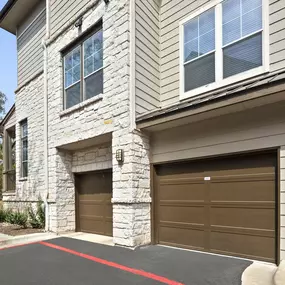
(26, 239)
(259, 273)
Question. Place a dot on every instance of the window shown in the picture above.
(225, 43)
(83, 70)
(24, 148)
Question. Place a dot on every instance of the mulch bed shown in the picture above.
(15, 230)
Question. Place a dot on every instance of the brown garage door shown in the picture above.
(224, 206)
(94, 208)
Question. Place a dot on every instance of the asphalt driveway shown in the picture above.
(73, 262)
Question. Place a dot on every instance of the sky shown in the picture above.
(8, 64)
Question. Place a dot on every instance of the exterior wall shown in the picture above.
(96, 117)
(244, 131)
(30, 106)
(92, 159)
(29, 44)
(147, 56)
(64, 11)
(282, 201)
(172, 12)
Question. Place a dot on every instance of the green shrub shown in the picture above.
(20, 218)
(2, 215)
(37, 219)
(9, 216)
(16, 218)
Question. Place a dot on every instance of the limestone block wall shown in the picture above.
(29, 105)
(107, 114)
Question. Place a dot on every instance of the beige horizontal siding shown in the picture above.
(63, 11)
(29, 46)
(147, 57)
(172, 12)
(242, 131)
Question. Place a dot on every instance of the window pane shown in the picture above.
(76, 73)
(24, 150)
(94, 84)
(98, 59)
(248, 5)
(93, 53)
(73, 95)
(191, 30)
(243, 55)
(88, 65)
(98, 41)
(231, 10)
(68, 62)
(191, 50)
(207, 42)
(199, 35)
(72, 67)
(231, 31)
(25, 169)
(200, 72)
(76, 57)
(88, 48)
(252, 21)
(206, 22)
(68, 78)
(24, 129)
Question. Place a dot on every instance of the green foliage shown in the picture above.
(37, 219)
(20, 218)
(16, 218)
(2, 215)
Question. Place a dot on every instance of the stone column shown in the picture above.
(131, 189)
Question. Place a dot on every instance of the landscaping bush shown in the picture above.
(37, 219)
(2, 215)
(16, 218)
(20, 219)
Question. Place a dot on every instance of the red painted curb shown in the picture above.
(113, 264)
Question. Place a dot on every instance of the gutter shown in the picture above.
(6, 9)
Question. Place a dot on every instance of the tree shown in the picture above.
(3, 99)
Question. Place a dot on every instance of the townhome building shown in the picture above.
(152, 121)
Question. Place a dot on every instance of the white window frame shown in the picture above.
(220, 82)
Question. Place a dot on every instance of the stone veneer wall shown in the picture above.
(30, 106)
(95, 117)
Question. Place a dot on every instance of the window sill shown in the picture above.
(226, 82)
(9, 193)
(81, 105)
(23, 179)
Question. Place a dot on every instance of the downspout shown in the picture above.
(45, 75)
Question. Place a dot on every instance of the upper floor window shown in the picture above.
(83, 70)
(24, 148)
(225, 43)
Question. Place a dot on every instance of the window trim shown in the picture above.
(220, 82)
(79, 42)
(22, 123)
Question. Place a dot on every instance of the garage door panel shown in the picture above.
(181, 236)
(183, 191)
(229, 208)
(243, 245)
(243, 217)
(182, 214)
(237, 190)
(94, 208)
